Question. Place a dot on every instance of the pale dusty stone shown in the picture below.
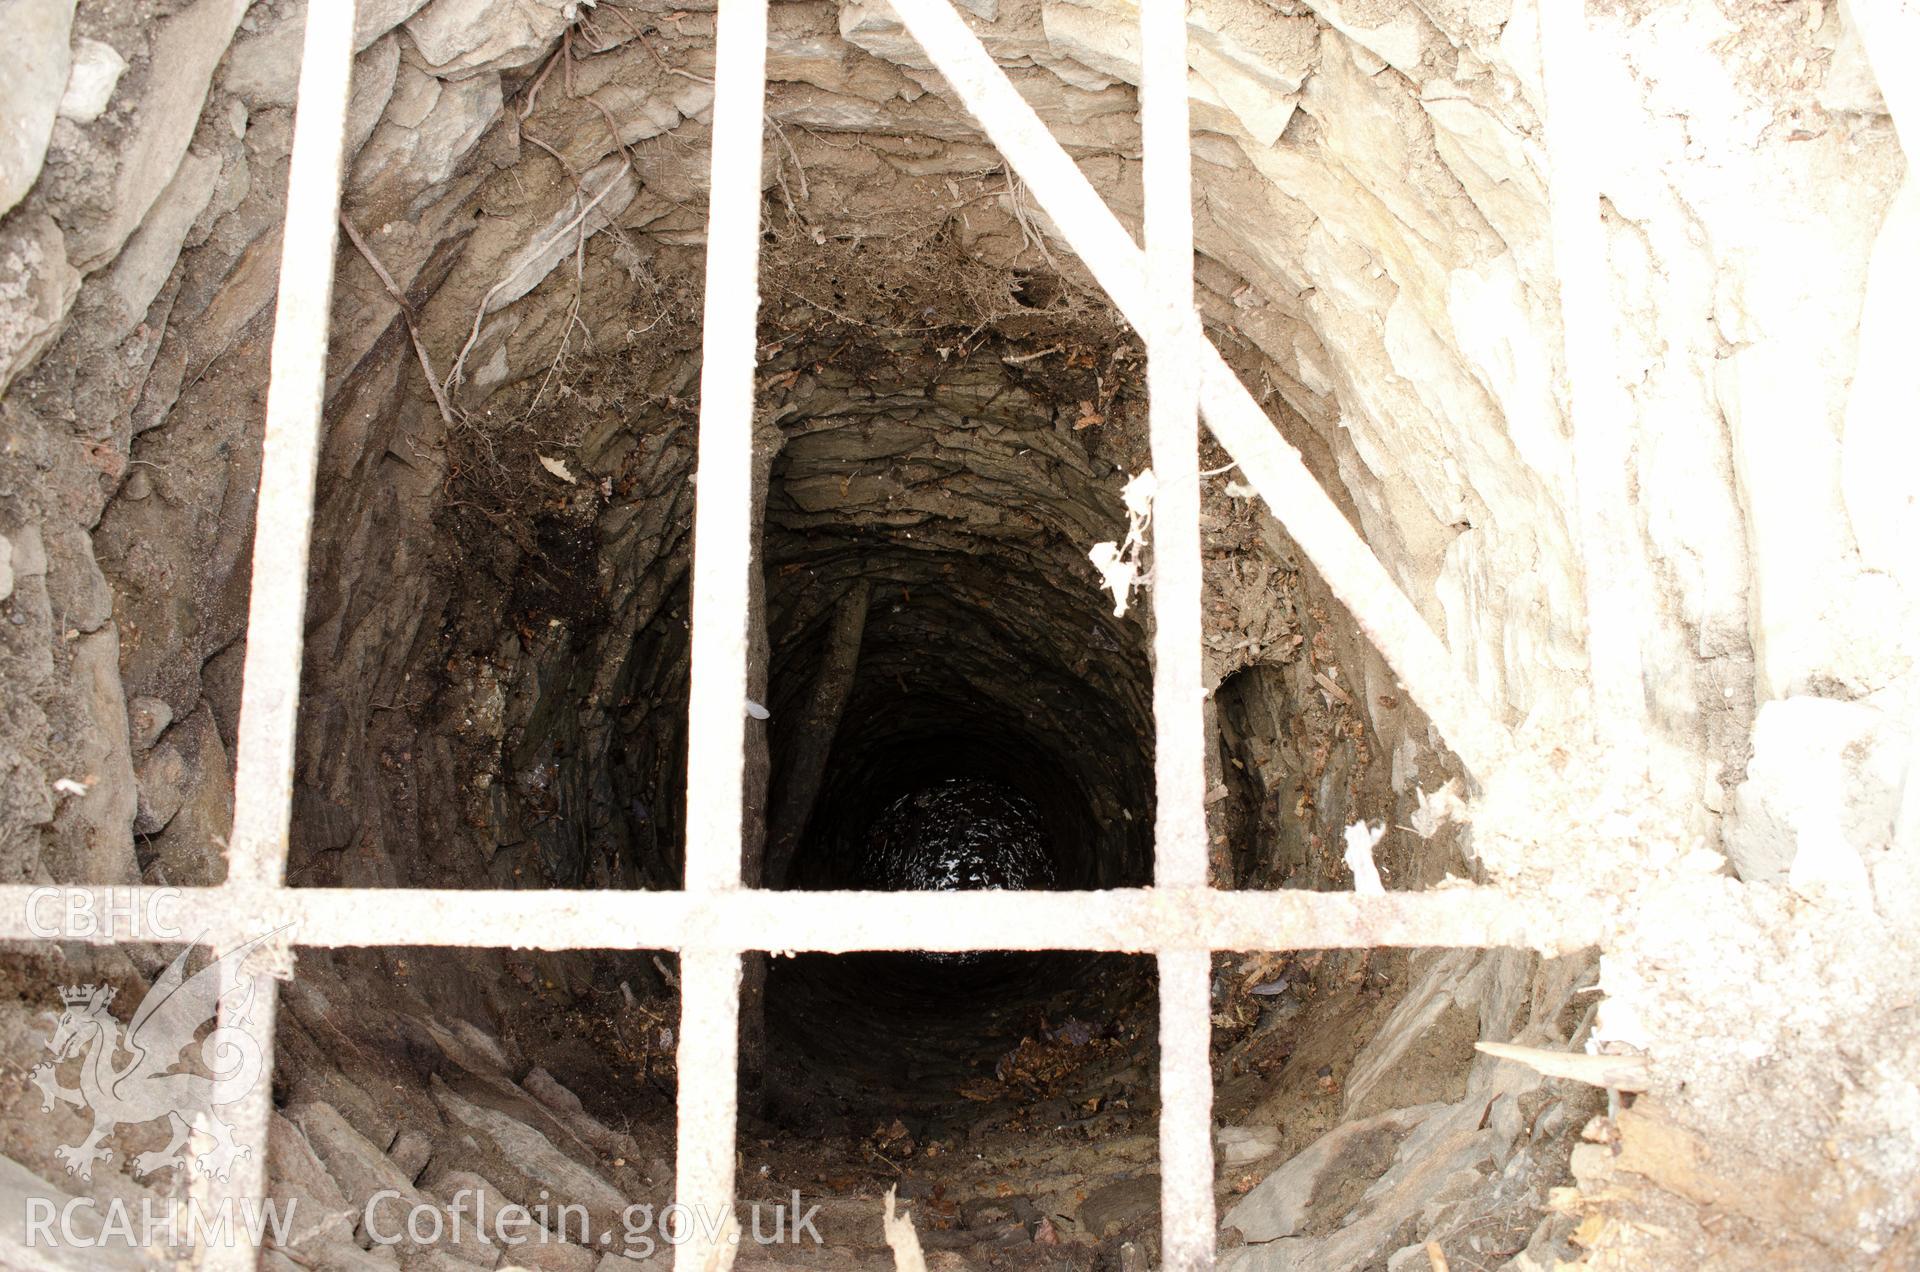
(263, 69)
(96, 72)
(105, 812)
(429, 126)
(1239, 1145)
(1825, 780)
(374, 73)
(162, 778)
(17, 1185)
(141, 270)
(322, 1217)
(37, 287)
(29, 553)
(80, 592)
(1398, 40)
(374, 18)
(461, 37)
(359, 1168)
(523, 1161)
(188, 45)
(38, 61)
(554, 242)
(6, 567)
(1278, 1205)
(188, 842)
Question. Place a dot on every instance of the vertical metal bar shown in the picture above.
(722, 556)
(276, 606)
(709, 1060)
(722, 529)
(290, 452)
(1598, 406)
(1186, 1111)
(1179, 757)
(251, 1118)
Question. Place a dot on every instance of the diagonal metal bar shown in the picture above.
(1128, 920)
(1380, 609)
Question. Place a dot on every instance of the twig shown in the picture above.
(558, 157)
(406, 316)
(456, 375)
(781, 133)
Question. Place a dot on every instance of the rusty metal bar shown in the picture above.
(1131, 919)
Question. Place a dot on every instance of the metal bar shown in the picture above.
(1133, 920)
(1179, 757)
(276, 605)
(709, 1060)
(722, 559)
(250, 1118)
(722, 517)
(1186, 1111)
(1179, 754)
(290, 452)
(1598, 406)
(1380, 609)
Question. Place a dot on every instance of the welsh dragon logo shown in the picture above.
(146, 1086)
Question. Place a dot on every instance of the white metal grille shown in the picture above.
(1180, 919)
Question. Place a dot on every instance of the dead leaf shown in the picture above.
(558, 468)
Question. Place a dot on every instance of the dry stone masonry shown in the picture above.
(497, 636)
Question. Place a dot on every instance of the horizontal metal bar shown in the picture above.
(1135, 919)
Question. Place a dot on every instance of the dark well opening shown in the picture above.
(992, 732)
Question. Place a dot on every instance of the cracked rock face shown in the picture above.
(497, 636)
